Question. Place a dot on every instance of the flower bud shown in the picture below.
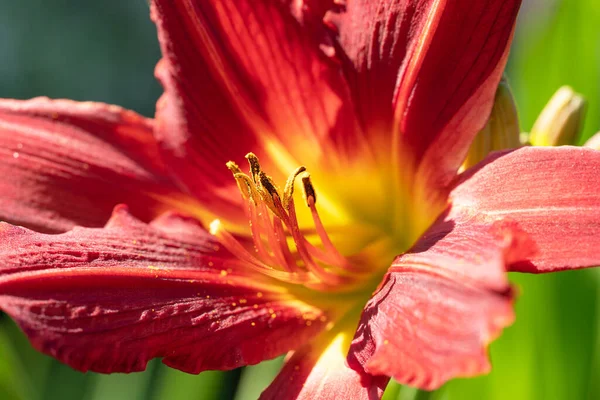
(501, 131)
(593, 142)
(560, 121)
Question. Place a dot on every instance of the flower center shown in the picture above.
(279, 247)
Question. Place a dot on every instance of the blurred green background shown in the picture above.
(106, 51)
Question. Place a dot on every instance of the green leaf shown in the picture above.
(563, 49)
(256, 378)
(14, 382)
(135, 386)
(173, 384)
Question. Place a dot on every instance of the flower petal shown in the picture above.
(70, 163)
(111, 299)
(440, 304)
(552, 194)
(319, 370)
(429, 69)
(242, 76)
(377, 37)
(533, 210)
(424, 330)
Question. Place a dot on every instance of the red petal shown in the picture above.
(377, 38)
(111, 299)
(534, 209)
(242, 76)
(440, 305)
(435, 65)
(552, 194)
(71, 163)
(423, 329)
(319, 370)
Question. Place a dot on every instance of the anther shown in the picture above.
(288, 191)
(244, 182)
(270, 195)
(309, 190)
(233, 167)
(268, 184)
(254, 166)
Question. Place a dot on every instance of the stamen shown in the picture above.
(288, 192)
(276, 244)
(311, 200)
(301, 242)
(309, 190)
(235, 247)
(255, 226)
(271, 197)
(233, 167)
(331, 253)
(273, 220)
(282, 241)
(254, 166)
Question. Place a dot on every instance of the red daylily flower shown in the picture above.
(379, 102)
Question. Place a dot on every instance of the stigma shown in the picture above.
(277, 246)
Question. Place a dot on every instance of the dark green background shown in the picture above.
(106, 51)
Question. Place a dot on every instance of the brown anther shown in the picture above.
(254, 166)
(268, 184)
(270, 194)
(309, 190)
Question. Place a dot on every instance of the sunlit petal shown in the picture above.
(551, 194)
(319, 370)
